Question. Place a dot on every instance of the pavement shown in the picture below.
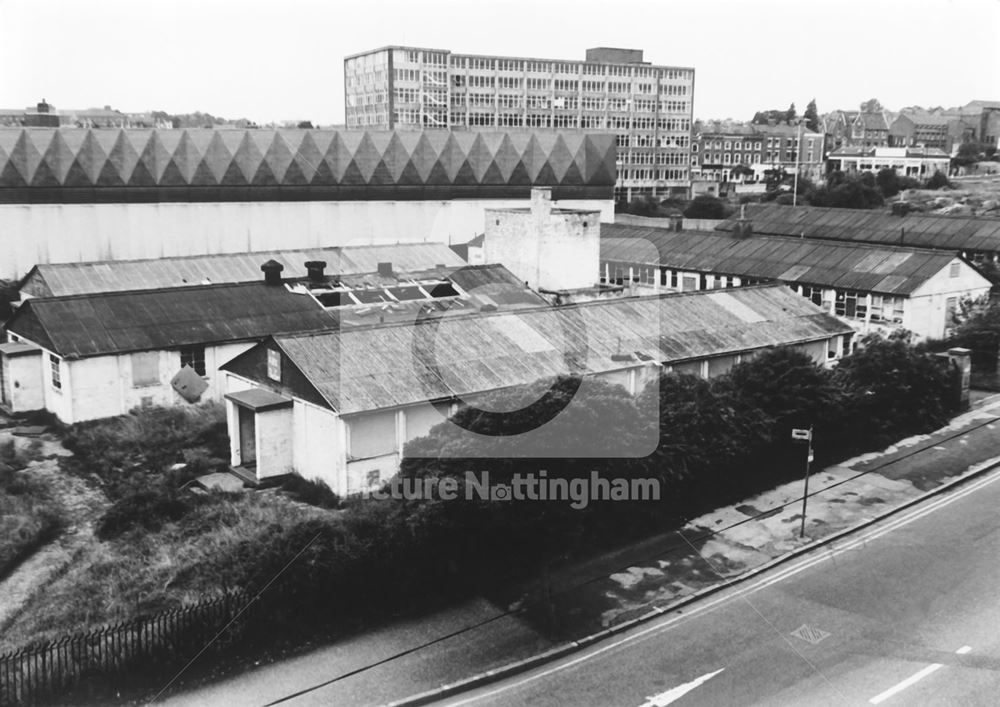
(901, 613)
(618, 587)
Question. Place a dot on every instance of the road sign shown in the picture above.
(801, 434)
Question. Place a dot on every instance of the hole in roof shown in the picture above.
(409, 292)
(333, 299)
(443, 289)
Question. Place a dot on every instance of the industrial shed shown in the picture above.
(340, 405)
(975, 238)
(100, 354)
(62, 279)
(73, 195)
(873, 287)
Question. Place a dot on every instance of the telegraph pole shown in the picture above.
(798, 153)
(806, 436)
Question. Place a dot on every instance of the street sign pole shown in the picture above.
(805, 490)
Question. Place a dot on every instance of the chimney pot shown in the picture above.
(272, 272)
(315, 270)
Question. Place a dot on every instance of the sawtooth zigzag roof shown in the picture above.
(42, 164)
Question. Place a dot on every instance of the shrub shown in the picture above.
(939, 181)
(133, 452)
(311, 491)
(706, 206)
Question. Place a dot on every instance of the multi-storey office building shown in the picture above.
(648, 107)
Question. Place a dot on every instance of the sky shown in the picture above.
(276, 61)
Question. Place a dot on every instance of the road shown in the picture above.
(906, 612)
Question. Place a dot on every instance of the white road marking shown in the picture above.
(906, 683)
(665, 698)
(916, 677)
(711, 604)
(942, 449)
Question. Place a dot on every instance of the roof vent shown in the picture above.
(315, 270)
(385, 269)
(272, 272)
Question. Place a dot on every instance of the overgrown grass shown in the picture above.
(135, 452)
(141, 572)
(29, 517)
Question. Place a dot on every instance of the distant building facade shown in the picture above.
(720, 149)
(647, 107)
(916, 162)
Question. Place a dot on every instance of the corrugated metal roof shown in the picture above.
(810, 261)
(97, 324)
(62, 279)
(914, 230)
(368, 369)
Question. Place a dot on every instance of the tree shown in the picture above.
(706, 206)
(848, 191)
(741, 170)
(897, 388)
(977, 327)
(938, 181)
(871, 106)
(887, 181)
(812, 116)
(305, 125)
(790, 114)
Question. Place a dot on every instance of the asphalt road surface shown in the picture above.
(906, 612)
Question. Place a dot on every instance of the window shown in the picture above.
(55, 366)
(274, 365)
(194, 356)
(954, 270)
(145, 369)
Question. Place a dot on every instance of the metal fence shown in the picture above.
(153, 647)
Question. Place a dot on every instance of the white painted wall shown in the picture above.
(22, 376)
(319, 437)
(102, 386)
(926, 311)
(63, 233)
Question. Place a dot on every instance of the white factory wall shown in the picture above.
(63, 233)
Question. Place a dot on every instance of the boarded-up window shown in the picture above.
(372, 435)
(274, 365)
(145, 368)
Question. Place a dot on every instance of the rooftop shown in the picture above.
(75, 164)
(951, 233)
(96, 324)
(61, 279)
(849, 266)
(368, 369)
